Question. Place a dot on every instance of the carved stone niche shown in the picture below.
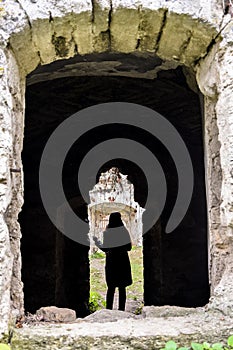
(114, 193)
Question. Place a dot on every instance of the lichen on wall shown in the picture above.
(182, 32)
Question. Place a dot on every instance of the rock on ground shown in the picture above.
(56, 314)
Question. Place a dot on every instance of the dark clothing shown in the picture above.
(117, 268)
(116, 244)
(110, 298)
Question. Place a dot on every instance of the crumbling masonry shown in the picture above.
(196, 35)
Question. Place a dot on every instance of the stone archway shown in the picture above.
(43, 33)
(114, 192)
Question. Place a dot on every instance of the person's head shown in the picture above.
(115, 220)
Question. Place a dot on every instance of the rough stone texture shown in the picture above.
(167, 311)
(41, 32)
(224, 110)
(6, 185)
(103, 316)
(223, 297)
(215, 74)
(17, 88)
(56, 314)
(50, 35)
(114, 192)
(144, 333)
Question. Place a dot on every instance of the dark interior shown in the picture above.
(55, 269)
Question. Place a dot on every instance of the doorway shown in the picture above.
(176, 264)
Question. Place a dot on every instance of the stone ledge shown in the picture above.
(130, 333)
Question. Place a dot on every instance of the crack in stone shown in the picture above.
(93, 13)
(208, 49)
(92, 25)
(25, 12)
(51, 20)
(164, 21)
(211, 44)
(222, 20)
(50, 17)
(31, 33)
(75, 47)
(186, 44)
(140, 30)
(106, 34)
(109, 26)
(225, 12)
(108, 31)
(38, 53)
(138, 44)
(73, 40)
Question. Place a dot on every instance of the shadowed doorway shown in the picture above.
(175, 265)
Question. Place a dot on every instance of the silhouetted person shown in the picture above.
(116, 244)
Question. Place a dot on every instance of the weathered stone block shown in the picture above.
(55, 314)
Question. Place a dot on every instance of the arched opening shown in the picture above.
(114, 192)
(175, 265)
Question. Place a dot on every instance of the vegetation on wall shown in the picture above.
(171, 345)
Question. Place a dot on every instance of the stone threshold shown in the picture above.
(111, 329)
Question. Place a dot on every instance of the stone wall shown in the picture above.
(179, 32)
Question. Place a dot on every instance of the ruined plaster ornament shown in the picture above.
(114, 193)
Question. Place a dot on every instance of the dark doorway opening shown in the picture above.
(55, 270)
